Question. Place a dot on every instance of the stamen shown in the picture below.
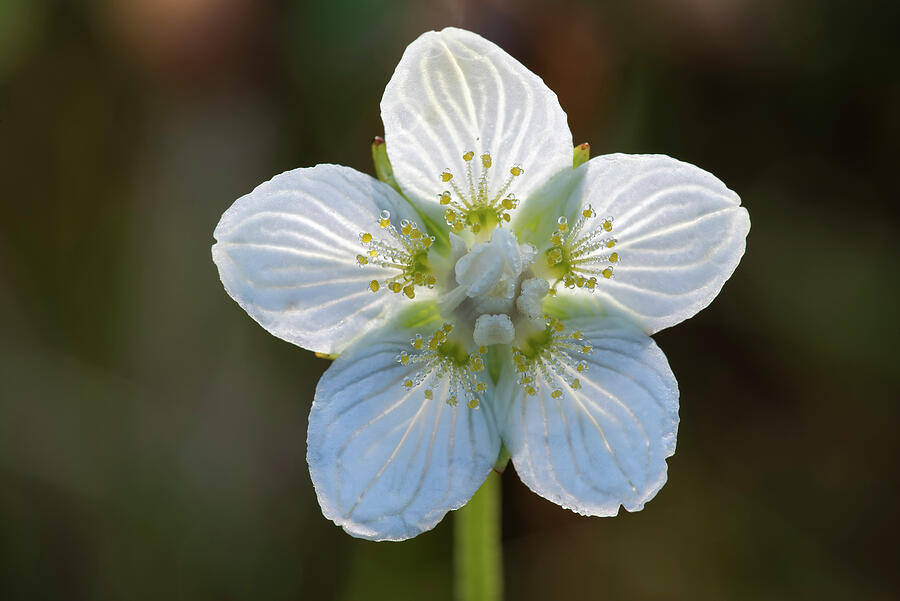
(405, 250)
(551, 352)
(478, 209)
(573, 255)
(446, 358)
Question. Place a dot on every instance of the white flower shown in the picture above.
(496, 296)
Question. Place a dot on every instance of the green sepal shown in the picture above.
(536, 219)
(581, 156)
(383, 169)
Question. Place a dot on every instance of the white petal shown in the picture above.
(452, 92)
(286, 253)
(606, 444)
(681, 233)
(386, 462)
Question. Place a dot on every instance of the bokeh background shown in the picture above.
(152, 436)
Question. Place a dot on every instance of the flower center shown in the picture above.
(551, 351)
(574, 258)
(476, 208)
(449, 359)
(405, 250)
(490, 271)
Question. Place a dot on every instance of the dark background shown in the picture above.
(152, 436)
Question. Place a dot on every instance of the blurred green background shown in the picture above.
(152, 436)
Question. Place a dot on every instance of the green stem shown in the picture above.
(477, 549)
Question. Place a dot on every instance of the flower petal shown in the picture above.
(680, 234)
(386, 462)
(453, 92)
(287, 251)
(605, 444)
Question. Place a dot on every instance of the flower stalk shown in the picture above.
(478, 552)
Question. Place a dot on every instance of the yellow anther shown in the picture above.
(516, 171)
(476, 363)
(591, 283)
(576, 384)
(607, 273)
(362, 260)
(452, 400)
(404, 358)
(374, 286)
(562, 224)
(406, 229)
(508, 203)
(473, 404)
(555, 255)
(373, 253)
(577, 335)
(417, 342)
(410, 291)
(506, 217)
(415, 234)
(429, 394)
(450, 216)
(586, 349)
(581, 367)
(531, 390)
(458, 227)
(408, 383)
(418, 278)
(607, 225)
(480, 387)
(614, 258)
(446, 176)
(579, 281)
(430, 281)
(395, 286)
(427, 242)
(366, 238)
(482, 349)
(469, 156)
(610, 243)
(445, 198)
(448, 327)
(556, 239)
(486, 160)
(587, 213)
(557, 394)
